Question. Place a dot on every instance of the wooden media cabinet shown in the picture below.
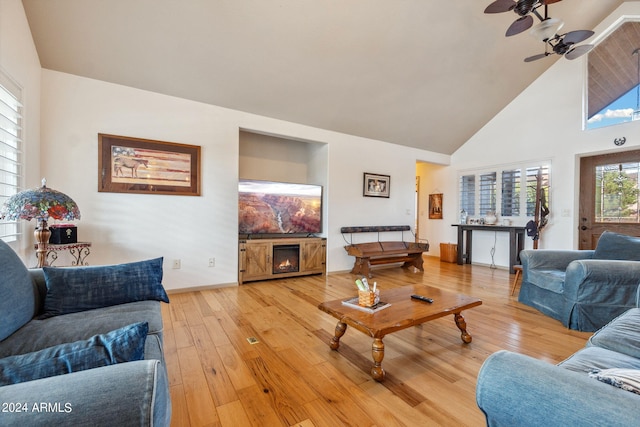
(263, 259)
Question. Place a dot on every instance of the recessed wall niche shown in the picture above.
(276, 158)
(271, 158)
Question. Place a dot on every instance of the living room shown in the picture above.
(64, 113)
(552, 134)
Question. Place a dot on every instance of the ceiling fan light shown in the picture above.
(547, 29)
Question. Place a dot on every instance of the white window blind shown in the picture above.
(468, 194)
(10, 149)
(532, 182)
(510, 192)
(487, 193)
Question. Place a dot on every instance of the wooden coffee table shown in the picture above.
(403, 313)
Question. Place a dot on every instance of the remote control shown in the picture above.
(421, 298)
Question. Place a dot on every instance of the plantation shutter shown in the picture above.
(532, 174)
(510, 192)
(10, 149)
(487, 193)
(468, 194)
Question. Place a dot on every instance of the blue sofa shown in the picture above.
(584, 289)
(596, 386)
(82, 346)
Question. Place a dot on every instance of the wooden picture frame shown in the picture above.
(435, 206)
(375, 185)
(144, 166)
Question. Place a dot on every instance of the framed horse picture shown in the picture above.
(134, 165)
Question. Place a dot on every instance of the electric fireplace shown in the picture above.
(286, 259)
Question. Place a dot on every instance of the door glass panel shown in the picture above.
(616, 193)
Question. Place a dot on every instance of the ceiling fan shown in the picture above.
(565, 44)
(546, 30)
(524, 8)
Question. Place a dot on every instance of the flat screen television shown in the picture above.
(268, 207)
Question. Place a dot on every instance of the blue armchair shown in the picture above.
(584, 289)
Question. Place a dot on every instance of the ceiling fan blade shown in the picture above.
(550, 1)
(578, 51)
(519, 25)
(500, 6)
(536, 57)
(573, 37)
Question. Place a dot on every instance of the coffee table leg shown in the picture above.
(462, 325)
(377, 350)
(341, 328)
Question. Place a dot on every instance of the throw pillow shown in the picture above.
(70, 290)
(17, 294)
(616, 246)
(121, 345)
(626, 379)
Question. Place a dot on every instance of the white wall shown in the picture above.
(544, 122)
(347, 162)
(126, 227)
(19, 60)
(434, 179)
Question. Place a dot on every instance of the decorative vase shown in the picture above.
(463, 216)
(490, 218)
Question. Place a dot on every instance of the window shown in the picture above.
(468, 194)
(506, 193)
(487, 193)
(10, 150)
(613, 80)
(511, 192)
(533, 175)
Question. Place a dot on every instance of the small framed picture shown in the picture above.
(376, 185)
(435, 206)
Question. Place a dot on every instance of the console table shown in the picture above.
(516, 241)
(78, 251)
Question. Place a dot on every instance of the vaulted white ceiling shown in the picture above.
(421, 73)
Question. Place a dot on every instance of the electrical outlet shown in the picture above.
(212, 262)
(176, 263)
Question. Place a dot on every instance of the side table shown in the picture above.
(79, 252)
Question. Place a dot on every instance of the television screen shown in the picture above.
(266, 207)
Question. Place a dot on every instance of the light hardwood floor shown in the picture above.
(290, 377)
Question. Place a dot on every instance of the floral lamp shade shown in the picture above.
(40, 204)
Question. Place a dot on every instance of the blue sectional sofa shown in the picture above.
(82, 346)
(584, 289)
(596, 386)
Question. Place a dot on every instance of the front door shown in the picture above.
(609, 196)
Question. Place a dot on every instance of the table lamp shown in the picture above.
(40, 204)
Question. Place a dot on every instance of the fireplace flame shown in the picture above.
(285, 265)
